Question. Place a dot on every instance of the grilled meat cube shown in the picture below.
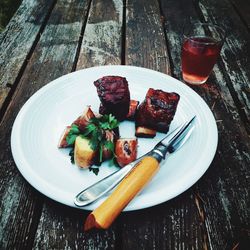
(114, 96)
(157, 110)
(131, 113)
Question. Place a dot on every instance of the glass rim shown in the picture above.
(220, 31)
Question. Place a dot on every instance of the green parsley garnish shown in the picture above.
(73, 133)
(95, 132)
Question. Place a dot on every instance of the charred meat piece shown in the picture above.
(114, 96)
(157, 110)
(102, 110)
(131, 113)
(125, 150)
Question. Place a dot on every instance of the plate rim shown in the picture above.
(150, 203)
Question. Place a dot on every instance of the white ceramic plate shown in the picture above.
(41, 120)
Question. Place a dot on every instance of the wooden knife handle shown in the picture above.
(104, 215)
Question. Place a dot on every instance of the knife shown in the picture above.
(169, 144)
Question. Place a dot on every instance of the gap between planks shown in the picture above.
(13, 87)
(238, 104)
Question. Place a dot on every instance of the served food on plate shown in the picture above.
(92, 140)
(114, 95)
(126, 150)
(135, 180)
(141, 131)
(83, 120)
(157, 110)
(94, 137)
(79, 124)
(132, 110)
(84, 154)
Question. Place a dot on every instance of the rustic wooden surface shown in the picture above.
(221, 93)
(23, 31)
(47, 39)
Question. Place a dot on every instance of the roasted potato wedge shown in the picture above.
(83, 120)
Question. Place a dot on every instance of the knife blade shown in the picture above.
(169, 144)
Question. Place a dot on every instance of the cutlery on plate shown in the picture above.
(169, 144)
(141, 174)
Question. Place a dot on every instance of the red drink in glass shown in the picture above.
(199, 54)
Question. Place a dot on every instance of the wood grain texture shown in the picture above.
(235, 52)
(102, 40)
(53, 56)
(17, 41)
(61, 227)
(222, 194)
(145, 40)
(175, 224)
(214, 213)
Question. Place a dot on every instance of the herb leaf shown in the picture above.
(109, 145)
(71, 154)
(73, 133)
(95, 170)
(89, 129)
(108, 122)
(74, 129)
(95, 132)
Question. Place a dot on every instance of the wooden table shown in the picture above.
(47, 39)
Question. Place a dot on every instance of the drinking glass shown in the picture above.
(200, 50)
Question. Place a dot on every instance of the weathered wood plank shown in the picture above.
(21, 206)
(235, 52)
(20, 209)
(17, 40)
(167, 226)
(102, 39)
(145, 41)
(213, 214)
(62, 228)
(223, 191)
(101, 45)
(175, 224)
